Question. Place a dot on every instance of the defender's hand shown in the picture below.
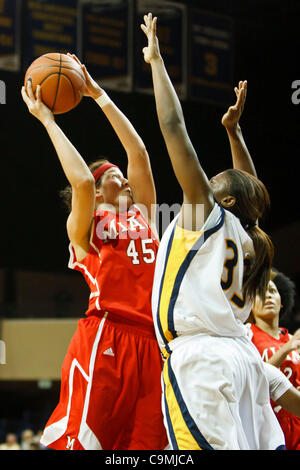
(231, 118)
(151, 52)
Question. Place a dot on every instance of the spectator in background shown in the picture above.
(11, 442)
(26, 438)
(277, 346)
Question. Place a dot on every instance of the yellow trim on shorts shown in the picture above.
(179, 428)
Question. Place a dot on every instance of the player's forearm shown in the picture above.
(280, 355)
(241, 157)
(123, 128)
(168, 107)
(74, 167)
(290, 401)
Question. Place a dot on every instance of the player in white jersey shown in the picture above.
(208, 269)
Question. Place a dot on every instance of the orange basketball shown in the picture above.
(61, 80)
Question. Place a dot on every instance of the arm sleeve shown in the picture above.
(278, 383)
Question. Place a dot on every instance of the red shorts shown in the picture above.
(290, 425)
(110, 395)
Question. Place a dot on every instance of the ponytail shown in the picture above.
(252, 202)
(257, 275)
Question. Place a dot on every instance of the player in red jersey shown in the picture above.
(278, 347)
(110, 385)
(274, 343)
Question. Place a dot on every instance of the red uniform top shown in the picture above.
(119, 267)
(267, 345)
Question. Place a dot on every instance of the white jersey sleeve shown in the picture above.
(278, 383)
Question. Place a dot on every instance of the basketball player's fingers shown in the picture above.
(143, 27)
(24, 95)
(76, 58)
(85, 72)
(29, 89)
(154, 26)
(148, 21)
(241, 98)
(38, 93)
(86, 75)
(26, 99)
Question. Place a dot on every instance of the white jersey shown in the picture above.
(198, 279)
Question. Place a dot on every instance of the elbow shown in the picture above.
(171, 123)
(85, 183)
(139, 152)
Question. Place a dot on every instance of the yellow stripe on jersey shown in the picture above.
(183, 431)
(183, 242)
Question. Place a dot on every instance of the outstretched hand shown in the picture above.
(295, 341)
(232, 116)
(35, 104)
(151, 52)
(91, 88)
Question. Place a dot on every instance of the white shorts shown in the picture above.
(216, 396)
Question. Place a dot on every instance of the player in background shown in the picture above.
(209, 263)
(277, 346)
(110, 395)
(241, 158)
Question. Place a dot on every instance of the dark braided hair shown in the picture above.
(287, 290)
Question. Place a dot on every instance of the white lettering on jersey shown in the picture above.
(294, 356)
(70, 443)
(265, 355)
(118, 228)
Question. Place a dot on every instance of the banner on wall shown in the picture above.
(10, 30)
(105, 41)
(171, 32)
(48, 26)
(211, 57)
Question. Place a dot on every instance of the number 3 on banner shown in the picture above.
(148, 253)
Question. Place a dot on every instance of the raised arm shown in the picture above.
(74, 167)
(281, 389)
(139, 173)
(188, 171)
(292, 345)
(241, 157)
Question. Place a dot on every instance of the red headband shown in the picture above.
(101, 169)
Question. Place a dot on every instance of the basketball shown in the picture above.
(61, 80)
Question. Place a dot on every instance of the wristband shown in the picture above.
(103, 100)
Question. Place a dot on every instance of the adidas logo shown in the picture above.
(109, 352)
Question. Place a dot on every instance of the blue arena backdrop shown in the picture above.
(10, 35)
(211, 56)
(198, 46)
(105, 41)
(171, 30)
(48, 26)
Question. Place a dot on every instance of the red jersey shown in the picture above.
(119, 267)
(267, 345)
